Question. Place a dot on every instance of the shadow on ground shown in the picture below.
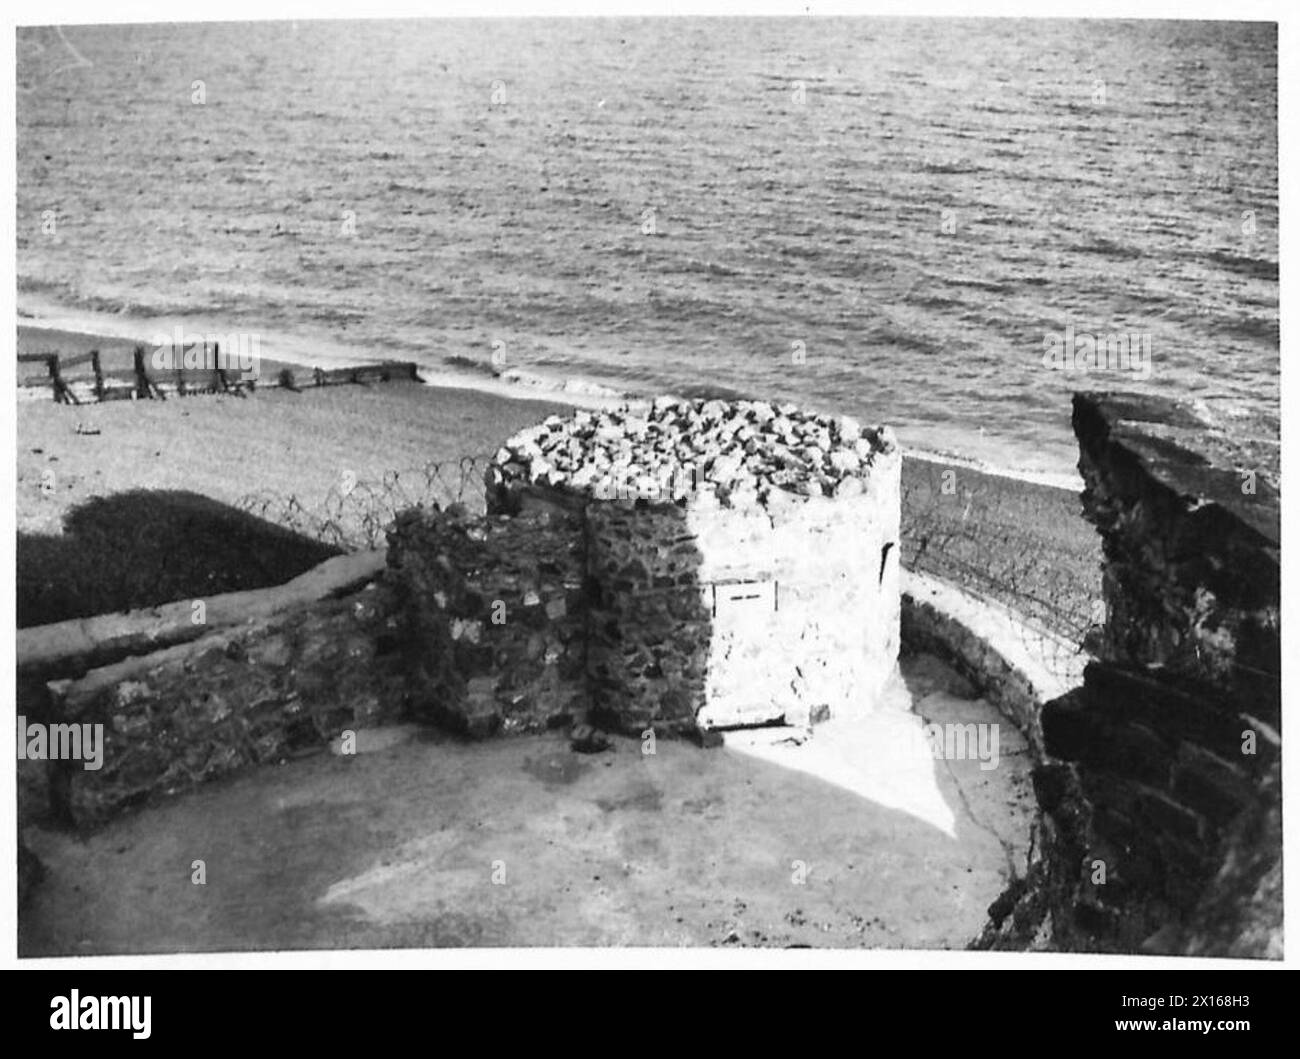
(146, 547)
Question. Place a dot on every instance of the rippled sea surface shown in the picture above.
(884, 217)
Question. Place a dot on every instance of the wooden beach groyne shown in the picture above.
(82, 378)
(54, 368)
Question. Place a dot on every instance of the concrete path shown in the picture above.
(418, 840)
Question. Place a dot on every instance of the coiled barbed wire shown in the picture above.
(354, 515)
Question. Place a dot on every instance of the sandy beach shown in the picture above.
(278, 446)
(274, 441)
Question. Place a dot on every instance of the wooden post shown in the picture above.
(224, 384)
(99, 374)
(61, 391)
(141, 379)
(145, 387)
(219, 383)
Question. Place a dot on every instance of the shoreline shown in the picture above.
(297, 351)
(510, 385)
(356, 454)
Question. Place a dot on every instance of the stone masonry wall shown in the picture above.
(724, 616)
(742, 558)
(251, 694)
(495, 618)
(1189, 528)
(645, 567)
(1161, 800)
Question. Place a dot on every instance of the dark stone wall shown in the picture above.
(495, 616)
(1161, 796)
(650, 623)
(256, 694)
(1190, 536)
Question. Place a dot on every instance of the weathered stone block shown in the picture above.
(1212, 786)
(1159, 812)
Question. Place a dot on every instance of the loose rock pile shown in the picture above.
(740, 452)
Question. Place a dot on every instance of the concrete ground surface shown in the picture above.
(845, 840)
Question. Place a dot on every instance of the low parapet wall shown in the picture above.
(270, 673)
(1016, 667)
(70, 648)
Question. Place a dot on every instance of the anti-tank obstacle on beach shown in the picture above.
(207, 372)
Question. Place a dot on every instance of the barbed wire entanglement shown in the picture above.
(355, 513)
(1023, 547)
